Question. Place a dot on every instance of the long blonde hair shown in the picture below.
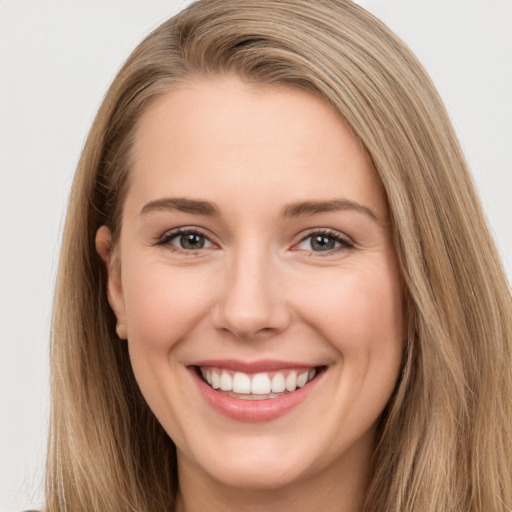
(445, 439)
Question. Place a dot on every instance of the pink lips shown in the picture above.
(251, 410)
(264, 365)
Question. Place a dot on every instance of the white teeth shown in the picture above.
(291, 381)
(278, 383)
(302, 379)
(226, 382)
(215, 380)
(241, 383)
(260, 384)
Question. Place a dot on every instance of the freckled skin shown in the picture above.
(258, 289)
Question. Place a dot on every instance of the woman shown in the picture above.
(276, 286)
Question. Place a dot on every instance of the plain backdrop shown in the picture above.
(57, 58)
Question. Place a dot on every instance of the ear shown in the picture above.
(115, 296)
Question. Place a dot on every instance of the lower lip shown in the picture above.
(253, 410)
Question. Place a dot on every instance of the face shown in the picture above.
(256, 283)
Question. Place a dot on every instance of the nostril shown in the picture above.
(250, 308)
(246, 333)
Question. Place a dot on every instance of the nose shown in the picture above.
(251, 303)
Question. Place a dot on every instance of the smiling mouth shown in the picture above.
(257, 386)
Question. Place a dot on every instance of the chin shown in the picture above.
(256, 463)
(263, 475)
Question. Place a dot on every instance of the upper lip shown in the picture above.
(262, 365)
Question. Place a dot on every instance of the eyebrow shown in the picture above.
(304, 208)
(298, 209)
(182, 204)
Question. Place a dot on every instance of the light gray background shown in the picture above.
(57, 59)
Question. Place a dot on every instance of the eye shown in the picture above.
(324, 241)
(186, 240)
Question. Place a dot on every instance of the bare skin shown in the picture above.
(255, 229)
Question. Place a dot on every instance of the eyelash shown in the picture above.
(345, 243)
(175, 233)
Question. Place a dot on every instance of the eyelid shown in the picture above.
(345, 242)
(167, 236)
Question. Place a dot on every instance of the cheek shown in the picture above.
(163, 304)
(359, 312)
(356, 309)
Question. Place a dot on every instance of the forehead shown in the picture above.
(224, 137)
